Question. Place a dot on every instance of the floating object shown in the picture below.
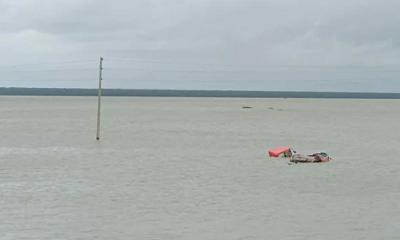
(313, 158)
(280, 152)
(247, 107)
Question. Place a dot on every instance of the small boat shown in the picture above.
(313, 158)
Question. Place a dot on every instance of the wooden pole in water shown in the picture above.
(100, 91)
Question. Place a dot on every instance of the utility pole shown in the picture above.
(100, 91)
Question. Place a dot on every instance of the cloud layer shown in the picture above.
(331, 45)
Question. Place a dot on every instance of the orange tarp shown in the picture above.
(276, 152)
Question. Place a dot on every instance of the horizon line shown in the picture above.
(118, 92)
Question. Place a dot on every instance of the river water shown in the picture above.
(196, 168)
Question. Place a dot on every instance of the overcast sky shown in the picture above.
(329, 45)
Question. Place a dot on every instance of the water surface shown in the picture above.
(196, 168)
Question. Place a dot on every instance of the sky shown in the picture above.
(272, 45)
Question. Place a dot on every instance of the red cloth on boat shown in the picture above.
(276, 152)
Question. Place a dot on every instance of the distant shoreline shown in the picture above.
(192, 93)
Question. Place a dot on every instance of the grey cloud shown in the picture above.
(221, 32)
